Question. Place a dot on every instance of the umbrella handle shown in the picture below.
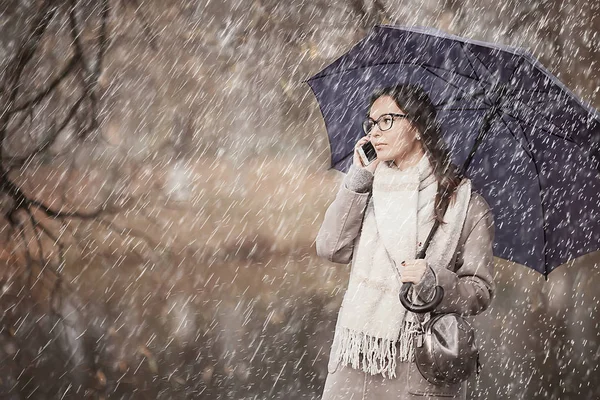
(420, 308)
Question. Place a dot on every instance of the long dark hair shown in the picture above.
(415, 102)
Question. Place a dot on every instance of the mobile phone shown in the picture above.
(367, 153)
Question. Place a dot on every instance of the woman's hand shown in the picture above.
(413, 270)
(357, 160)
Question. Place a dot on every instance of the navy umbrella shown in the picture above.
(529, 145)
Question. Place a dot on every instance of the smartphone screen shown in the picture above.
(369, 151)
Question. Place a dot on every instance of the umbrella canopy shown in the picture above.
(530, 146)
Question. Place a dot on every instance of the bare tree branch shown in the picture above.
(22, 58)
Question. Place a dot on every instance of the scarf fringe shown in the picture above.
(378, 355)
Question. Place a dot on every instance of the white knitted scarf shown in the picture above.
(400, 216)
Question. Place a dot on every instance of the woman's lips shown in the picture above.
(379, 145)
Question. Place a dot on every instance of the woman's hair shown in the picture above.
(415, 102)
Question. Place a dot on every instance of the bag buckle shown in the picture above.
(420, 339)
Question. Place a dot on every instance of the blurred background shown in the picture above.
(164, 172)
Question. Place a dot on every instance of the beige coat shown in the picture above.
(468, 286)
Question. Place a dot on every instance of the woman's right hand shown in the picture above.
(357, 160)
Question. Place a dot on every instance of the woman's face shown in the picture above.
(399, 142)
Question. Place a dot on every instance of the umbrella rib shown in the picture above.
(535, 101)
(454, 72)
(450, 83)
(540, 127)
(537, 176)
(476, 79)
(472, 66)
(478, 59)
(458, 98)
(532, 99)
(542, 115)
(514, 135)
(530, 124)
(539, 91)
(464, 109)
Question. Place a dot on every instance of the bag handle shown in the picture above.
(439, 291)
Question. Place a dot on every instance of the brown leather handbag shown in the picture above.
(445, 349)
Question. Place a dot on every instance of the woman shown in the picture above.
(379, 220)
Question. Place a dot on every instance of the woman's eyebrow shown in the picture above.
(375, 119)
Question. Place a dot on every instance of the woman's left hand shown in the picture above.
(413, 270)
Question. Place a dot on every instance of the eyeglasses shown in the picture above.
(385, 122)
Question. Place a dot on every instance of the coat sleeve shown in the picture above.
(343, 217)
(469, 290)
